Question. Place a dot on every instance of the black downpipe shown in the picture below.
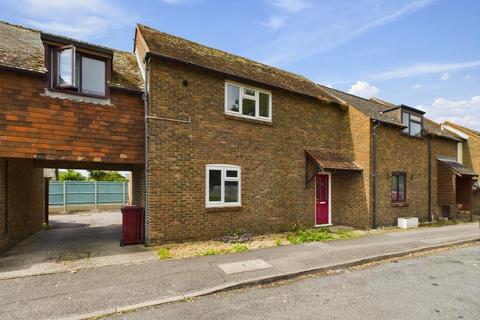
(430, 213)
(376, 123)
(146, 98)
(5, 207)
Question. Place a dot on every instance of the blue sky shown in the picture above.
(423, 53)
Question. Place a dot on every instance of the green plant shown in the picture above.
(278, 242)
(70, 175)
(323, 234)
(163, 253)
(210, 252)
(239, 247)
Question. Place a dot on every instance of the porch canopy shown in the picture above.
(323, 161)
(458, 168)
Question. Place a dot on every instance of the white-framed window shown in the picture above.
(248, 102)
(223, 185)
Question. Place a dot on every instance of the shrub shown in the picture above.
(240, 247)
(278, 242)
(163, 253)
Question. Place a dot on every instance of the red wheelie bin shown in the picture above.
(132, 225)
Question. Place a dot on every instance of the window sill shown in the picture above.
(226, 208)
(75, 97)
(399, 204)
(251, 120)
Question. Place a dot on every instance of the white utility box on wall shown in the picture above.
(409, 222)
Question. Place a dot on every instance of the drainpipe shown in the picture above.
(376, 123)
(146, 97)
(430, 213)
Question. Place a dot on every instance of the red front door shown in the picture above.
(322, 200)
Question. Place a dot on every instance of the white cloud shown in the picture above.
(274, 23)
(421, 69)
(418, 86)
(79, 19)
(465, 112)
(328, 24)
(445, 76)
(364, 89)
(290, 5)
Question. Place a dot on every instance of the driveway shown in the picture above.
(74, 241)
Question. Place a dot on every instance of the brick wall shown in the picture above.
(138, 186)
(398, 152)
(274, 194)
(25, 188)
(61, 129)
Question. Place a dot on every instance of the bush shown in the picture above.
(278, 242)
(240, 247)
(163, 253)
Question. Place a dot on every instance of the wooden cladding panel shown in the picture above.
(446, 186)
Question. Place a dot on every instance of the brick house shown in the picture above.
(469, 150)
(215, 141)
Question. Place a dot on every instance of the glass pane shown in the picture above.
(233, 98)
(65, 58)
(401, 187)
(415, 129)
(415, 118)
(394, 188)
(264, 105)
(249, 92)
(93, 76)
(214, 185)
(248, 107)
(231, 191)
(232, 173)
(406, 121)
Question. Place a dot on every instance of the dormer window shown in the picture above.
(413, 123)
(75, 71)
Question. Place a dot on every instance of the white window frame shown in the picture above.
(242, 89)
(223, 168)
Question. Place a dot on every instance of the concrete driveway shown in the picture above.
(74, 241)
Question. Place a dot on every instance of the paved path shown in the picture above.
(76, 241)
(110, 288)
(439, 286)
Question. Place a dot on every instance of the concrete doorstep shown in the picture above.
(122, 288)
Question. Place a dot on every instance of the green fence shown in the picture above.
(92, 193)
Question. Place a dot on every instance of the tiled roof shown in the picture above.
(373, 108)
(457, 167)
(331, 160)
(179, 49)
(22, 48)
(462, 128)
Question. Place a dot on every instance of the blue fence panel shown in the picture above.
(85, 192)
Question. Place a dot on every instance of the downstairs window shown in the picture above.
(222, 186)
(398, 193)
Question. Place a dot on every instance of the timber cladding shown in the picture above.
(271, 156)
(33, 125)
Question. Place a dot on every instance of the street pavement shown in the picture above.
(439, 286)
(102, 290)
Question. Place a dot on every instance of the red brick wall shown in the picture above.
(61, 129)
(272, 158)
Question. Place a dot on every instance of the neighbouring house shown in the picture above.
(214, 141)
(468, 154)
(63, 104)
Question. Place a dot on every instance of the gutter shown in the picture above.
(376, 123)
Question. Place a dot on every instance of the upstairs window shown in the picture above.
(413, 124)
(78, 72)
(222, 186)
(399, 187)
(248, 102)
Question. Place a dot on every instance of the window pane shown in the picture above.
(394, 194)
(415, 118)
(248, 107)
(232, 173)
(415, 129)
(65, 77)
(93, 76)
(214, 185)
(401, 187)
(233, 98)
(231, 191)
(406, 122)
(249, 92)
(264, 105)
